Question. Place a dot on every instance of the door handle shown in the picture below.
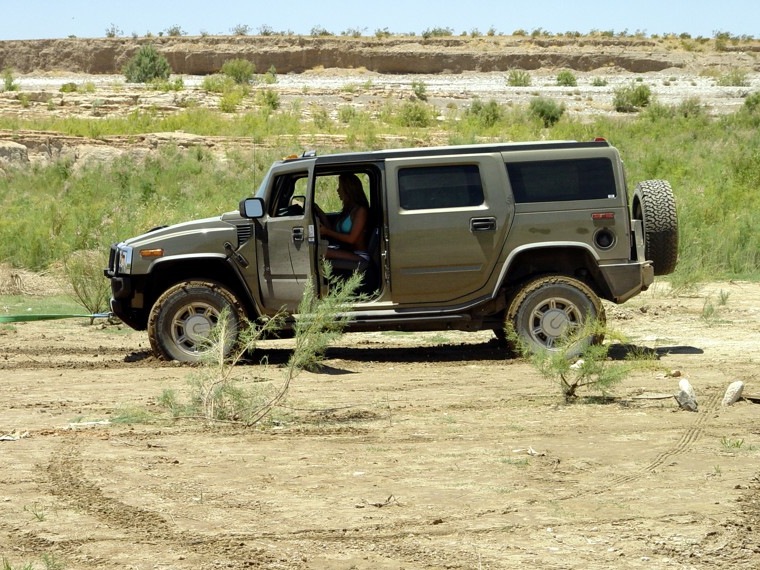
(483, 224)
(298, 234)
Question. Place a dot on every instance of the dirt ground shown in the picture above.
(411, 451)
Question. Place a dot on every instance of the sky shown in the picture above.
(43, 19)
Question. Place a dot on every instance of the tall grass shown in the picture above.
(49, 211)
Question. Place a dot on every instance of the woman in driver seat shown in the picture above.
(350, 228)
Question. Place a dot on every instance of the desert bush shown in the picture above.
(631, 98)
(240, 30)
(269, 99)
(218, 83)
(571, 368)
(546, 110)
(487, 114)
(437, 33)
(419, 89)
(241, 71)
(270, 77)
(9, 81)
(113, 31)
(84, 273)
(147, 64)
(733, 78)
(220, 392)
(752, 102)
(566, 78)
(231, 100)
(175, 31)
(415, 114)
(518, 78)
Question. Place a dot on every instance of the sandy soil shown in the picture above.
(407, 451)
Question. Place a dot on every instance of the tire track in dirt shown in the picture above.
(69, 483)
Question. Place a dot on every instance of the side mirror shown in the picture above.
(252, 208)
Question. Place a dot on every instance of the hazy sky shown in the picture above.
(33, 19)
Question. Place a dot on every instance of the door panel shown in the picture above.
(448, 219)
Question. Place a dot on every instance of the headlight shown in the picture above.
(124, 259)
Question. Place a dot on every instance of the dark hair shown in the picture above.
(354, 189)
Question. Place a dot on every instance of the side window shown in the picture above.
(435, 187)
(288, 195)
(562, 180)
(325, 190)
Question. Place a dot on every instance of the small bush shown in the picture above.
(113, 31)
(84, 272)
(486, 114)
(175, 31)
(166, 85)
(218, 83)
(566, 78)
(733, 78)
(518, 78)
(415, 114)
(632, 98)
(437, 33)
(599, 82)
(240, 30)
(9, 82)
(269, 99)
(146, 65)
(239, 70)
(420, 90)
(752, 102)
(231, 100)
(270, 77)
(547, 110)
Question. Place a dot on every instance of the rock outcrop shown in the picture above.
(295, 54)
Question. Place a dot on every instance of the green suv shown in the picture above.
(462, 238)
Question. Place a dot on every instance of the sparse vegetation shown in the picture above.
(84, 273)
(146, 65)
(518, 78)
(9, 81)
(632, 98)
(241, 71)
(546, 110)
(566, 78)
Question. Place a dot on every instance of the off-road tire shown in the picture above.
(655, 205)
(182, 317)
(543, 310)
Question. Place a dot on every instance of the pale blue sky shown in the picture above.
(34, 19)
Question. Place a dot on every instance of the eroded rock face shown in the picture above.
(295, 54)
(11, 152)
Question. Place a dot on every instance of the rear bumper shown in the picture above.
(628, 280)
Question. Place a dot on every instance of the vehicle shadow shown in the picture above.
(632, 351)
(491, 351)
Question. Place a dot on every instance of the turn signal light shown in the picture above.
(151, 253)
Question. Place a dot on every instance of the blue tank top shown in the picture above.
(344, 226)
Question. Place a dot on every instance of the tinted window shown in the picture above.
(552, 180)
(433, 187)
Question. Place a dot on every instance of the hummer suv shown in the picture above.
(468, 238)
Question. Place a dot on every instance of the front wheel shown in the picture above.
(181, 320)
(549, 309)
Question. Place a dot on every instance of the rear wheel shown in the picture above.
(655, 205)
(181, 320)
(549, 308)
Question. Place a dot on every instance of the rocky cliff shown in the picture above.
(295, 54)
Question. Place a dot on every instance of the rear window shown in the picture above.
(433, 187)
(562, 180)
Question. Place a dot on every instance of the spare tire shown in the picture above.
(655, 205)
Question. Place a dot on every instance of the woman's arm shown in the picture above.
(355, 238)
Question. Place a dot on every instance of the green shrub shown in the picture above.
(547, 110)
(486, 114)
(240, 30)
(84, 272)
(631, 98)
(599, 82)
(566, 78)
(437, 33)
(420, 90)
(752, 102)
(269, 99)
(518, 78)
(231, 100)
(218, 83)
(175, 31)
(415, 114)
(147, 64)
(733, 78)
(9, 82)
(239, 70)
